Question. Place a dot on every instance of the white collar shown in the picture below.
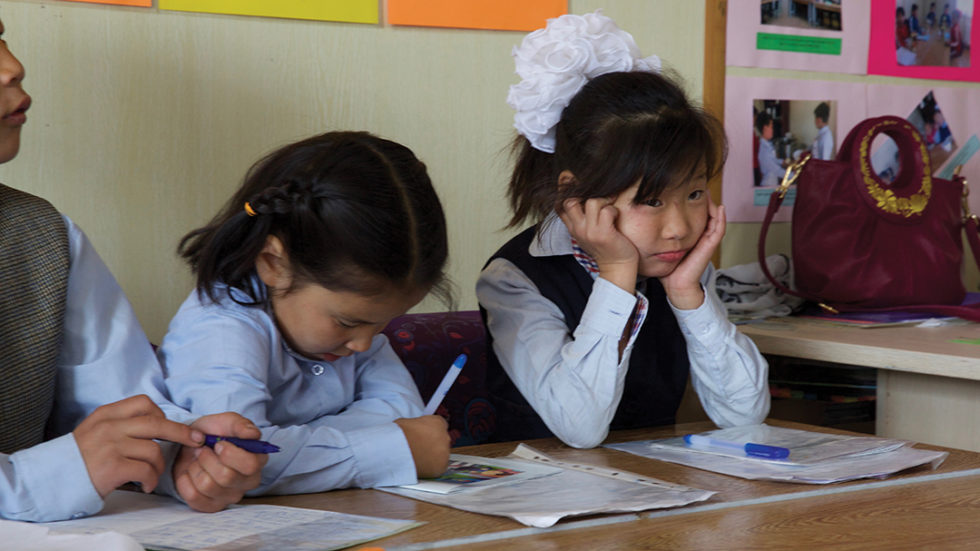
(552, 238)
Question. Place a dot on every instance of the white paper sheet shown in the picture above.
(27, 536)
(815, 458)
(574, 490)
(158, 522)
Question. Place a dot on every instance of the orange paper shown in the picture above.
(141, 3)
(505, 15)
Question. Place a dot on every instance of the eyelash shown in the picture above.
(694, 196)
(346, 325)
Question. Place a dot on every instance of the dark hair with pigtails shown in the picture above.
(353, 211)
(619, 129)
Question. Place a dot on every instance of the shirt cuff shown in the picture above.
(57, 479)
(382, 456)
(704, 323)
(608, 309)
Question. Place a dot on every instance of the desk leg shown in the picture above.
(929, 409)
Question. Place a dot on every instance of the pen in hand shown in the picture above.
(445, 385)
(749, 449)
(253, 446)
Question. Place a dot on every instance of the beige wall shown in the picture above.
(144, 121)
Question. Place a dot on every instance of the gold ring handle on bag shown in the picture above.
(792, 173)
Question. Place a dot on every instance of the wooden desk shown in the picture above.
(742, 509)
(928, 384)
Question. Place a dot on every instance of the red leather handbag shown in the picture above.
(862, 244)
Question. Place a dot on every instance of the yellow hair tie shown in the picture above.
(249, 210)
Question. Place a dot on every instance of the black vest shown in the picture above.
(34, 265)
(658, 367)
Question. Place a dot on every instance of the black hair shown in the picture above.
(619, 129)
(900, 11)
(915, 8)
(822, 111)
(762, 120)
(353, 211)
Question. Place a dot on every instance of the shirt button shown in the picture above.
(79, 515)
(317, 369)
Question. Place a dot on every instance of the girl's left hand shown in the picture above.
(211, 479)
(683, 285)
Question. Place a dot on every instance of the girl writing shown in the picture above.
(326, 241)
(597, 313)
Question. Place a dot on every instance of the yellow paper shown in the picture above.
(141, 3)
(508, 15)
(353, 11)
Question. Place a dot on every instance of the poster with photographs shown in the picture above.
(931, 39)
(949, 121)
(818, 35)
(771, 123)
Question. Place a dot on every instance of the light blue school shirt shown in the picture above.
(333, 421)
(771, 168)
(105, 357)
(823, 145)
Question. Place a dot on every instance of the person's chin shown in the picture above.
(9, 146)
(657, 268)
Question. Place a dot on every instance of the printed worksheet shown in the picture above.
(157, 522)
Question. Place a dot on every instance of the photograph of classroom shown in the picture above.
(805, 14)
(933, 34)
(429, 274)
(786, 129)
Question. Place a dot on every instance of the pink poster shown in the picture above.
(771, 122)
(818, 35)
(948, 118)
(930, 40)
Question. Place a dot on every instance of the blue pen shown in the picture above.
(254, 446)
(749, 449)
(445, 385)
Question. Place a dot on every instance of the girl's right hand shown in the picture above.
(428, 440)
(593, 225)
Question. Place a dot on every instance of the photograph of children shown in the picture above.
(937, 38)
(463, 472)
(930, 121)
(815, 14)
(784, 130)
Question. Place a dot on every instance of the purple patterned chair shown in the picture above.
(428, 344)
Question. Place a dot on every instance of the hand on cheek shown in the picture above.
(592, 223)
(683, 285)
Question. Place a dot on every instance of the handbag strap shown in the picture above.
(971, 225)
(775, 201)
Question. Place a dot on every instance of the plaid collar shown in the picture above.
(584, 259)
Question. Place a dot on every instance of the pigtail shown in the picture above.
(533, 183)
(226, 250)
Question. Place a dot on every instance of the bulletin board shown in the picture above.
(942, 107)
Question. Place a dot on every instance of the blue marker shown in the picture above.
(445, 385)
(254, 446)
(750, 449)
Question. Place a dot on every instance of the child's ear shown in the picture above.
(272, 265)
(565, 178)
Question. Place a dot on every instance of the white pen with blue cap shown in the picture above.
(749, 449)
(445, 385)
